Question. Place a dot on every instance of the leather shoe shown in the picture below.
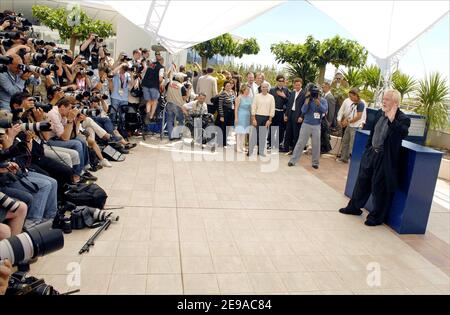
(350, 211)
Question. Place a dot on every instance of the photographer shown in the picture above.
(93, 50)
(313, 109)
(176, 97)
(12, 81)
(119, 94)
(102, 119)
(42, 188)
(153, 84)
(64, 134)
(23, 107)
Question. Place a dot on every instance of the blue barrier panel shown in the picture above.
(419, 168)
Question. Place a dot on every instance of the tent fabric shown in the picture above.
(384, 27)
(178, 25)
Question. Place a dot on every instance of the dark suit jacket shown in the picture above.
(332, 114)
(298, 104)
(398, 130)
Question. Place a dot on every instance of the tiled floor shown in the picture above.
(227, 227)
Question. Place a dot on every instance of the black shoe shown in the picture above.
(130, 146)
(123, 150)
(96, 168)
(350, 211)
(88, 176)
(370, 222)
(290, 164)
(315, 166)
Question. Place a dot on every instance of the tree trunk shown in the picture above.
(322, 74)
(204, 62)
(73, 42)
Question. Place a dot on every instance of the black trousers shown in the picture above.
(371, 180)
(292, 132)
(228, 122)
(277, 121)
(261, 133)
(49, 167)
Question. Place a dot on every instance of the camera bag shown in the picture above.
(90, 195)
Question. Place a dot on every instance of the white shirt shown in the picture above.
(348, 110)
(295, 99)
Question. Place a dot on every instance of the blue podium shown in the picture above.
(419, 168)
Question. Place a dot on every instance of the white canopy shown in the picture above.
(178, 25)
(384, 27)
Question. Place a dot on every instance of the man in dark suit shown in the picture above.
(281, 94)
(293, 116)
(378, 172)
(331, 100)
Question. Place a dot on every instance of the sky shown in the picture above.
(295, 20)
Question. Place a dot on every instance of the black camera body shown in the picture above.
(314, 91)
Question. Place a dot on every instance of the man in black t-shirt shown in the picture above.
(92, 50)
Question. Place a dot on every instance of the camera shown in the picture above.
(37, 42)
(45, 107)
(6, 202)
(86, 72)
(3, 68)
(314, 91)
(65, 58)
(7, 122)
(6, 42)
(38, 58)
(124, 57)
(31, 68)
(37, 241)
(137, 67)
(20, 284)
(6, 60)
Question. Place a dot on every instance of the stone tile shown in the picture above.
(127, 284)
(200, 284)
(164, 265)
(266, 283)
(164, 284)
(233, 283)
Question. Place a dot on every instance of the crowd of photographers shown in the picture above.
(55, 119)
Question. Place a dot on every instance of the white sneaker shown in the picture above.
(105, 163)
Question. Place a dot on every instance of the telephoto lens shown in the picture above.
(6, 42)
(37, 241)
(3, 68)
(87, 72)
(8, 203)
(43, 71)
(102, 215)
(37, 127)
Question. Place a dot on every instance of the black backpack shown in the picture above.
(90, 195)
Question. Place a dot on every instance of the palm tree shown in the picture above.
(432, 94)
(371, 76)
(354, 77)
(403, 83)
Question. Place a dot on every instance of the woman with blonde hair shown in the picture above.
(242, 117)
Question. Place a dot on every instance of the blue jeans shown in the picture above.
(106, 123)
(115, 109)
(174, 111)
(44, 205)
(79, 145)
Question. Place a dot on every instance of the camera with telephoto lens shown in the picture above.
(314, 91)
(37, 241)
(31, 68)
(137, 67)
(124, 57)
(6, 122)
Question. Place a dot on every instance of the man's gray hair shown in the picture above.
(396, 96)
